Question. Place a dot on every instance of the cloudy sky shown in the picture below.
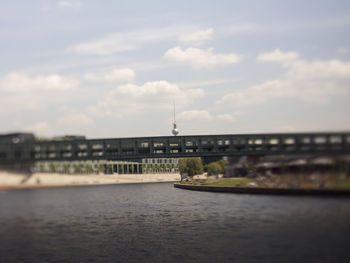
(114, 68)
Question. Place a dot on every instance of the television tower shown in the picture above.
(175, 131)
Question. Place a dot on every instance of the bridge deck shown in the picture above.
(179, 146)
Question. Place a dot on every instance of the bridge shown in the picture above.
(175, 146)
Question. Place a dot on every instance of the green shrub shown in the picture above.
(191, 166)
(213, 168)
(216, 167)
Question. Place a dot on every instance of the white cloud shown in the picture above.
(124, 41)
(20, 103)
(40, 128)
(279, 56)
(308, 24)
(200, 58)
(25, 96)
(226, 117)
(198, 36)
(131, 99)
(310, 81)
(106, 46)
(75, 119)
(114, 75)
(204, 115)
(204, 83)
(192, 115)
(22, 82)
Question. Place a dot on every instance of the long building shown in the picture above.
(22, 150)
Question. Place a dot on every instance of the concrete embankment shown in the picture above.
(265, 191)
(12, 180)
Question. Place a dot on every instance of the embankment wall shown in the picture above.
(52, 179)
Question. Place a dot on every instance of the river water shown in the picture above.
(158, 223)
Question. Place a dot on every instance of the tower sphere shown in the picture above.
(175, 131)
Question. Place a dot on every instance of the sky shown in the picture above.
(116, 68)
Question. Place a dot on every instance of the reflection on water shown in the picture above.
(158, 223)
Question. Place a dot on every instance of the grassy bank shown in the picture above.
(339, 182)
(225, 182)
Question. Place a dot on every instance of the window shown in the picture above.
(335, 139)
(97, 146)
(144, 144)
(306, 140)
(320, 139)
(273, 141)
(289, 141)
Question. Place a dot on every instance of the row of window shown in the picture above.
(160, 161)
(333, 139)
(108, 167)
(242, 147)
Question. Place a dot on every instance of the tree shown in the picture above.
(102, 168)
(53, 167)
(66, 168)
(222, 164)
(89, 168)
(216, 167)
(191, 166)
(213, 168)
(77, 168)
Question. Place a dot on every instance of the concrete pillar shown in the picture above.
(215, 144)
(167, 146)
(151, 146)
(183, 145)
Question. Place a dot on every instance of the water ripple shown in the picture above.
(158, 223)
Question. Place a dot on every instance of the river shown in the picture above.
(158, 223)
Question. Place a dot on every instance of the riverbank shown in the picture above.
(254, 186)
(264, 191)
(10, 181)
